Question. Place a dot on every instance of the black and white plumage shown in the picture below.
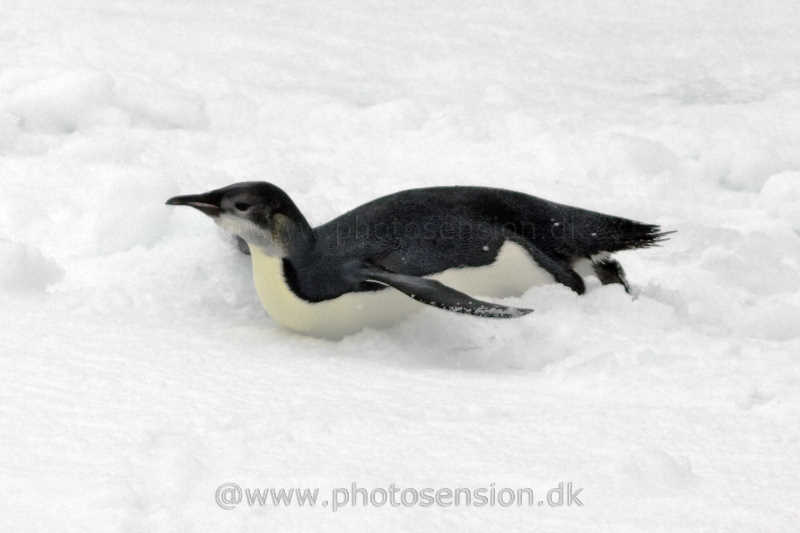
(435, 245)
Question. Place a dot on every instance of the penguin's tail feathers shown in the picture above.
(623, 234)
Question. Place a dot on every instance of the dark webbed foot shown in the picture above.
(610, 271)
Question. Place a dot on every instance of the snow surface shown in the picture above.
(140, 372)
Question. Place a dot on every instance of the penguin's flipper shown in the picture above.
(242, 245)
(433, 293)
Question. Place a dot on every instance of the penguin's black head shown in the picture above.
(257, 211)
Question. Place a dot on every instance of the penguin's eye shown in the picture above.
(241, 206)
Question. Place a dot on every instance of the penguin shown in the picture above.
(437, 246)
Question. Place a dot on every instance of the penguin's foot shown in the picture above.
(610, 271)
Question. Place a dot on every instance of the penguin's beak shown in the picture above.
(208, 203)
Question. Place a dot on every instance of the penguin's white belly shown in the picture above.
(511, 274)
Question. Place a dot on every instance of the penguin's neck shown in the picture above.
(294, 234)
(284, 237)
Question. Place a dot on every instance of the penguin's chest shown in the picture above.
(512, 273)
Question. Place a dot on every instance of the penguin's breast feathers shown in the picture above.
(511, 273)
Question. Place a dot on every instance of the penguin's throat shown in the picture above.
(255, 236)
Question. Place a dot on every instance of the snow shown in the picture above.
(140, 371)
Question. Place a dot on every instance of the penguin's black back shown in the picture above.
(420, 232)
(431, 229)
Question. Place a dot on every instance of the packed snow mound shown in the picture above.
(780, 196)
(25, 268)
(68, 102)
(142, 372)
(62, 103)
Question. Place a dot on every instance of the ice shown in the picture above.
(140, 371)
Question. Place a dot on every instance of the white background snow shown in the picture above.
(139, 371)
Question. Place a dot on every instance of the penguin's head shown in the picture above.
(258, 212)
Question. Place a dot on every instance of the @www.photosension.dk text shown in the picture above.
(230, 495)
